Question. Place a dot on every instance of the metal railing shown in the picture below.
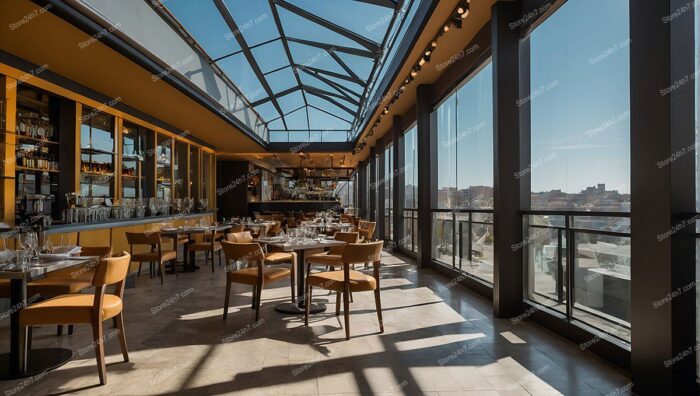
(576, 260)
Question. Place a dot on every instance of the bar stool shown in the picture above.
(86, 309)
(347, 281)
(156, 255)
(257, 276)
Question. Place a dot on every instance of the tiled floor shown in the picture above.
(439, 340)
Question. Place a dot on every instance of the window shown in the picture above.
(387, 184)
(410, 205)
(579, 103)
(463, 232)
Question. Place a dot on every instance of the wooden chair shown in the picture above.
(347, 280)
(366, 230)
(331, 258)
(209, 246)
(86, 309)
(275, 229)
(272, 257)
(257, 276)
(156, 255)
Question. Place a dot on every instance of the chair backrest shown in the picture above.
(99, 251)
(349, 237)
(237, 228)
(368, 230)
(242, 251)
(143, 238)
(111, 270)
(362, 252)
(239, 237)
(275, 229)
(291, 222)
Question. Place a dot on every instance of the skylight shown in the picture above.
(307, 67)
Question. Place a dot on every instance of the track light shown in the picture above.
(457, 22)
(463, 9)
(433, 44)
(421, 62)
(414, 73)
(426, 58)
(446, 28)
(428, 52)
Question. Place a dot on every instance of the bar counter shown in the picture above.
(289, 206)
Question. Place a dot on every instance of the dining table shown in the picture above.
(175, 232)
(300, 246)
(22, 362)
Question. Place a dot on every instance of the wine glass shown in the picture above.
(30, 242)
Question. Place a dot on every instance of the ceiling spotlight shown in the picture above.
(463, 9)
(433, 44)
(414, 73)
(402, 89)
(426, 58)
(386, 110)
(408, 80)
(457, 22)
(446, 28)
(421, 62)
(428, 52)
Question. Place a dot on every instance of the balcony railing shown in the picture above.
(463, 239)
(578, 263)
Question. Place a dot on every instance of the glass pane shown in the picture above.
(602, 282)
(180, 169)
(580, 105)
(474, 140)
(545, 278)
(446, 153)
(163, 166)
(410, 169)
(443, 237)
(195, 181)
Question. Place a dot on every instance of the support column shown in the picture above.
(663, 198)
(398, 180)
(427, 171)
(8, 99)
(372, 184)
(508, 230)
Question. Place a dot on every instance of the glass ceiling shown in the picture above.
(307, 67)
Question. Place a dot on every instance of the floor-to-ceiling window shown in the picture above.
(410, 198)
(697, 183)
(386, 187)
(463, 231)
(578, 241)
(345, 191)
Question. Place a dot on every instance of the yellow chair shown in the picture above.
(86, 309)
(209, 246)
(157, 254)
(257, 276)
(272, 257)
(347, 280)
(331, 258)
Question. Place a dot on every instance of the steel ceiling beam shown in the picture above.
(331, 48)
(277, 95)
(332, 74)
(363, 41)
(335, 102)
(228, 18)
(382, 3)
(280, 29)
(312, 89)
(343, 90)
(345, 67)
(330, 114)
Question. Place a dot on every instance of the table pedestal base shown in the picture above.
(295, 309)
(40, 362)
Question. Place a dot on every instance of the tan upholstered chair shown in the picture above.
(257, 275)
(272, 257)
(331, 258)
(209, 246)
(275, 229)
(157, 255)
(347, 280)
(88, 309)
(366, 230)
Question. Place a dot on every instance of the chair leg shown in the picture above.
(307, 300)
(122, 336)
(257, 301)
(337, 304)
(29, 339)
(228, 294)
(98, 338)
(292, 277)
(219, 258)
(70, 329)
(212, 261)
(346, 311)
(162, 273)
(255, 293)
(138, 274)
(59, 330)
(378, 303)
